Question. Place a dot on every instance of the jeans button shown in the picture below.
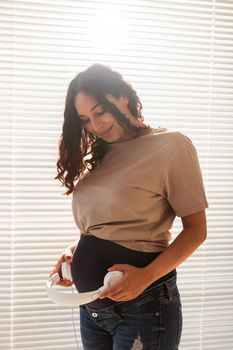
(94, 314)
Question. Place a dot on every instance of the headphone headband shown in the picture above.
(66, 298)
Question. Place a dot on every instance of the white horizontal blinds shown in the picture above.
(6, 173)
(178, 56)
(40, 222)
(177, 95)
(218, 313)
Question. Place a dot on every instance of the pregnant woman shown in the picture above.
(128, 182)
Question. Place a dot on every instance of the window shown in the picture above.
(178, 56)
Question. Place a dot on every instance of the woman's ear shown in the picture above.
(124, 101)
(121, 102)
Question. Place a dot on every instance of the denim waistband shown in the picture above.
(168, 282)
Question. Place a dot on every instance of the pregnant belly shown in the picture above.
(93, 256)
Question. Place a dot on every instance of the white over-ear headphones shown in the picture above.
(74, 299)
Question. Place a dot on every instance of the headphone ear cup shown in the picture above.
(66, 271)
(107, 279)
(112, 278)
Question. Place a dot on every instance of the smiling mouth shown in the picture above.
(106, 132)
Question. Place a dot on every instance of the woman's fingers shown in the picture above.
(65, 283)
(56, 266)
(68, 259)
(66, 256)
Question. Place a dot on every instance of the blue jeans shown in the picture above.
(152, 321)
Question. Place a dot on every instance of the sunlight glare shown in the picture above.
(108, 30)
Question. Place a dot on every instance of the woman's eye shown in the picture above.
(101, 113)
(85, 121)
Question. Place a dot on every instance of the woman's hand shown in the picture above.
(66, 255)
(133, 283)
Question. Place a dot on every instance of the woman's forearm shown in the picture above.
(178, 251)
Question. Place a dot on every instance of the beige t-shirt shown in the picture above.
(134, 194)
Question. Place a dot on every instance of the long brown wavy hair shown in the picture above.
(75, 143)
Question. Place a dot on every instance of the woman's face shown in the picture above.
(98, 121)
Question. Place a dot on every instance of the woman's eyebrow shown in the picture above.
(97, 104)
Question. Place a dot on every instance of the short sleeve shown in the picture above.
(184, 186)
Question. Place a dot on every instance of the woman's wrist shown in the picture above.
(149, 275)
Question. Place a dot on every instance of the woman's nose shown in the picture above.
(97, 125)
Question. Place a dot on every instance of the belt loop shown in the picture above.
(168, 291)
